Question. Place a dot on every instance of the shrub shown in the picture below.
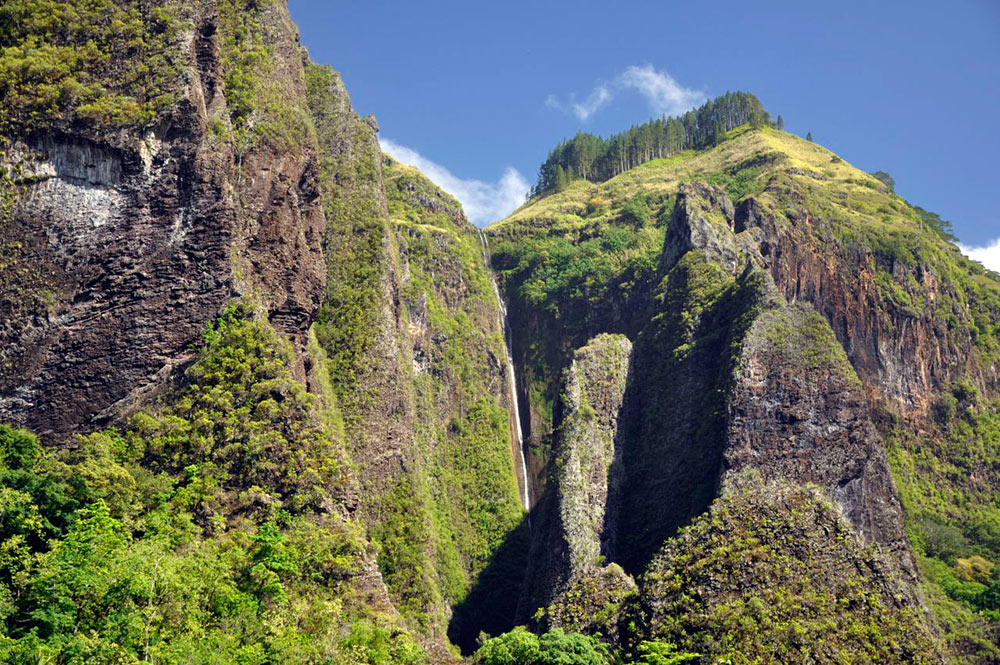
(637, 212)
(943, 541)
(521, 647)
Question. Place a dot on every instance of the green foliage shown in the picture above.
(262, 109)
(942, 227)
(559, 275)
(35, 507)
(464, 479)
(520, 647)
(773, 574)
(106, 63)
(739, 183)
(598, 159)
(744, 183)
(886, 179)
(946, 481)
(244, 424)
(347, 327)
(659, 652)
(805, 338)
(637, 211)
(176, 542)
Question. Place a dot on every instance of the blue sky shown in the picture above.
(477, 93)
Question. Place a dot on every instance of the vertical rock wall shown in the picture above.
(134, 241)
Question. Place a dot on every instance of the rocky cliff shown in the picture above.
(217, 263)
(127, 239)
(574, 526)
(740, 363)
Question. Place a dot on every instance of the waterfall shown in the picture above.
(505, 326)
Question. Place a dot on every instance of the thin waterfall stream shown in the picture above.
(511, 378)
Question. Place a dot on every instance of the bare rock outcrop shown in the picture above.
(797, 412)
(904, 355)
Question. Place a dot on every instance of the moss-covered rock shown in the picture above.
(573, 519)
(774, 573)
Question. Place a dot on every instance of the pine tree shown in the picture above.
(781, 123)
(561, 179)
(598, 159)
(809, 136)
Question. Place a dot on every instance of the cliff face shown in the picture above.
(269, 367)
(726, 378)
(895, 306)
(130, 240)
(413, 330)
(797, 412)
(165, 251)
(753, 353)
(464, 439)
(573, 523)
(239, 172)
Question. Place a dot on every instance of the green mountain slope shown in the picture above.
(770, 218)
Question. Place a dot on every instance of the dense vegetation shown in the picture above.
(947, 479)
(576, 281)
(224, 522)
(774, 574)
(462, 429)
(208, 530)
(263, 107)
(598, 159)
(445, 498)
(521, 647)
(99, 64)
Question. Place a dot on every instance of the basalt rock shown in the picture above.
(797, 412)
(576, 526)
(137, 240)
(904, 355)
(726, 379)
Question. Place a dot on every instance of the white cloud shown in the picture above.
(483, 202)
(988, 255)
(662, 92)
(600, 96)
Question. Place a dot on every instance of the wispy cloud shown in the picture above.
(661, 91)
(600, 96)
(483, 202)
(988, 254)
